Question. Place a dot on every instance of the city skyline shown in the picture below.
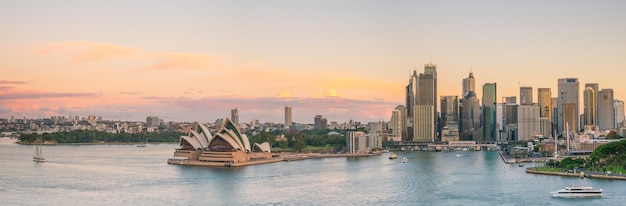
(201, 60)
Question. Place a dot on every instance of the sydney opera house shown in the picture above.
(226, 147)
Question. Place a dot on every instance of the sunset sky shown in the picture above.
(197, 60)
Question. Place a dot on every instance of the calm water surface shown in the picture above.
(128, 175)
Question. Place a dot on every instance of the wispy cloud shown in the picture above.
(38, 95)
(84, 51)
(14, 82)
(182, 61)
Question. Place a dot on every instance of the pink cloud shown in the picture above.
(183, 61)
(83, 51)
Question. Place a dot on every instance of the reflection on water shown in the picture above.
(127, 175)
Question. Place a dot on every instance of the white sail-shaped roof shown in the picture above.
(263, 147)
(206, 132)
(246, 142)
(201, 139)
(227, 139)
(193, 142)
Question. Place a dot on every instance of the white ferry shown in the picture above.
(578, 191)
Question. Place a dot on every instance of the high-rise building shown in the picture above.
(606, 109)
(450, 117)
(403, 121)
(469, 85)
(320, 123)
(449, 110)
(589, 106)
(288, 117)
(544, 99)
(525, 95)
(528, 121)
(596, 89)
(423, 126)
(489, 112)
(568, 93)
(510, 100)
(555, 114)
(570, 117)
(395, 125)
(234, 116)
(356, 142)
(470, 116)
(410, 104)
(152, 122)
(426, 93)
(619, 113)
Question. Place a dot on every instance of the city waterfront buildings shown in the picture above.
(568, 92)
(544, 98)
(152, 122)
(450, 118)
(356, 142)
(606, 109)
(528, 123)
(619, 113)
(489, 112)
(320, 123)
(423, 126)
(525, 95)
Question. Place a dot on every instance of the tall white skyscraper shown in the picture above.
(288, 117)
(568, 89)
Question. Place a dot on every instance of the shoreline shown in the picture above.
(579, 175)
(105, 143)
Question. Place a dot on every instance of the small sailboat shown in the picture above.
(38, 156)
(405, 160)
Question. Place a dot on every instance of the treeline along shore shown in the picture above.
(97, 137)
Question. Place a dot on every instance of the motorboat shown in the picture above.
(577, 191)
(392, 156)
(405, 160)
(458, 155)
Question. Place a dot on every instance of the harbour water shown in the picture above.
(129, 175)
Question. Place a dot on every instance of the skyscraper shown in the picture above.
(410, 105)
(234, 116)
(152, 122)
(395, 126)
(570, 117)
(544, 98)
(450, 117)
(470, 116)
(596, 89)
(606, 109)
(320, 123)
(288, 116)
(525, 95)
(431, 69)
(568, 93)
(426, 95)
(528, 121)
(589, 106)
(489, 112)
(424, 127)
(619, 112)
(469, 85)
(403, 121)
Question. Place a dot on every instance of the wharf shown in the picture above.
(581, 175)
